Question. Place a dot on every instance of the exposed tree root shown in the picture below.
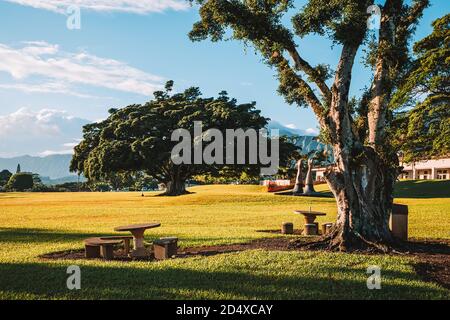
(353, 243)
(396, 247)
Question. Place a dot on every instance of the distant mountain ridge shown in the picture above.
(286, 131)
(306, 142)
(53, 166)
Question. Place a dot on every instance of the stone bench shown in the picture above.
(97, 247)
(165, 248)
(287, 228)
(326, 227)
(398, 221)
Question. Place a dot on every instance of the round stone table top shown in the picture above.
(138, 226)
(310, 213)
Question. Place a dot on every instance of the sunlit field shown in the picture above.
(32, 224)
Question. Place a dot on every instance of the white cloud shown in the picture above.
(48, 87)
(53, 152)
(49, 122)
(72, 144)
(64, 69)
(312, 131)
(307, 131)
(66, 148)
(131, 6)
(24, 122)
(39, 132)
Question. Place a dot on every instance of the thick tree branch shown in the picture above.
(339, 121)
(393, 39)
(381, 86)
(298, 89)
(270, 35)
(304, 66)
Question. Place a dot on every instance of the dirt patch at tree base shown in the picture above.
(432, 256)
(434, 269)
(120, 255)
(297, 232)
(433, 260)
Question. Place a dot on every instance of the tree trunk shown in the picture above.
(309, 182)
(298, 187)
(363, 191)
(175, 187)
(361, 181)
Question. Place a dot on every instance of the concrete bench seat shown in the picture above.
(98, 247)
(287, 228)
(165, 248)
(326, 227)
(126, 241)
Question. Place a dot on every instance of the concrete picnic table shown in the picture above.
(137, 230)
(310, 216)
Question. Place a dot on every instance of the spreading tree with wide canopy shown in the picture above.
(422, 125)
(366, 165)
(138, 138)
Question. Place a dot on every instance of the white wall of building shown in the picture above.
(427, 169)
(420, 170)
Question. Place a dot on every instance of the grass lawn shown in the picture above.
(32, 224)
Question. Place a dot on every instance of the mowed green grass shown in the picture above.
(32, 224)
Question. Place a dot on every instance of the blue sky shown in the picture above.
(52, 77)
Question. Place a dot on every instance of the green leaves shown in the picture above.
(20, 182)
(255, 21)
(343, 21)
(424, 130)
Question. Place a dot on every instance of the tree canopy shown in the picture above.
(423, 129)
(138, 137)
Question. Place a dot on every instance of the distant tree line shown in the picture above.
(31, 182)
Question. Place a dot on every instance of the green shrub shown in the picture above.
(20, 182)
(5, 175)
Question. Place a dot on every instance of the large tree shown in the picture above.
(422, 123)
(366, 165)
(137, 138)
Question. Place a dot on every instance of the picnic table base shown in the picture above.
(310, 229)
(140, 253)
(139, 249)
(137, 230)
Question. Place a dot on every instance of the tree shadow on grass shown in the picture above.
(168, 282)
(35, 235)
(318, 194)
(25, 235)
(422, 189)
(7, 195)
(403, 189)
